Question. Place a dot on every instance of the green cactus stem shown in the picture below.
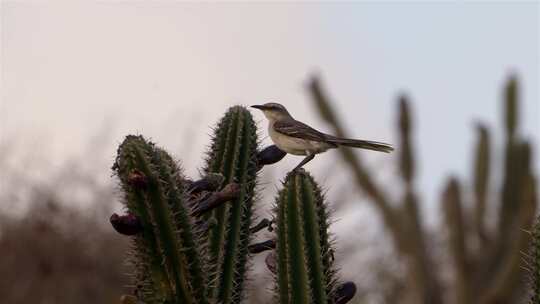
(233, 154)
(304, 263)
(166, 255)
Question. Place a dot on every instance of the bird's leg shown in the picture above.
(304, 161)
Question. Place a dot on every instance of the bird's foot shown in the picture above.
(303, 162)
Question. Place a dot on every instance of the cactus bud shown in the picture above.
(127, 224)
(270, 155)
(345, 292)
(137, 179)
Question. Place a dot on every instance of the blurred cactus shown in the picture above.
(481, 175)
(500, 268)
(453, 212)
(304, 272)
(533, 263)
(485, 262)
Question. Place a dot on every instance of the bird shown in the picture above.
(297, 138)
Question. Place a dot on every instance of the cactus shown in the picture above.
(533, 263)
(454, 219)
(188, 245)
(233, 154)
(304, 254)
(481, 175)
(166, 254)
(191, 239)
(486, 261)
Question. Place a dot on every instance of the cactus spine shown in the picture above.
(233, 154)
(304, 264)
(165, 253)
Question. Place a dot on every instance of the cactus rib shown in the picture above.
(304, 266)
(234, 155)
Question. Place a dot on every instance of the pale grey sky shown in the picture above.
(72, 70)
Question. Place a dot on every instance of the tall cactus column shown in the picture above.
(166, 254)
(233, 154)
(304, 256)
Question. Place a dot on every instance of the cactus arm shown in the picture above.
(304, 272)
(165, 250)
(454, 219)
(179, 212)
(282, 250)
(165, 228)
(481, 180)
(313, 241)
(216, 162)
(236, 252)
(235, 157)
(296, 258)
(235, 215)
(145, 255)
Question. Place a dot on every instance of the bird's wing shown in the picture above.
(297, 129)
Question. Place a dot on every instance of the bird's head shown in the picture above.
(273, 111)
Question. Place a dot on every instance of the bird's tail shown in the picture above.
(362, 144)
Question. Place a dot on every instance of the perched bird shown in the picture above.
(297, 138)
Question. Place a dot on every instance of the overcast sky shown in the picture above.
(71, 71)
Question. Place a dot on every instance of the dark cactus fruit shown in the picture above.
(344, 293)
(127, 224)
(165, 252)
(233, 154)
(303, 248)
(270, 155)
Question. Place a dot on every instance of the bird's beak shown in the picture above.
(260, 107)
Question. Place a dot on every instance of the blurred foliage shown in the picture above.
(58, 254)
